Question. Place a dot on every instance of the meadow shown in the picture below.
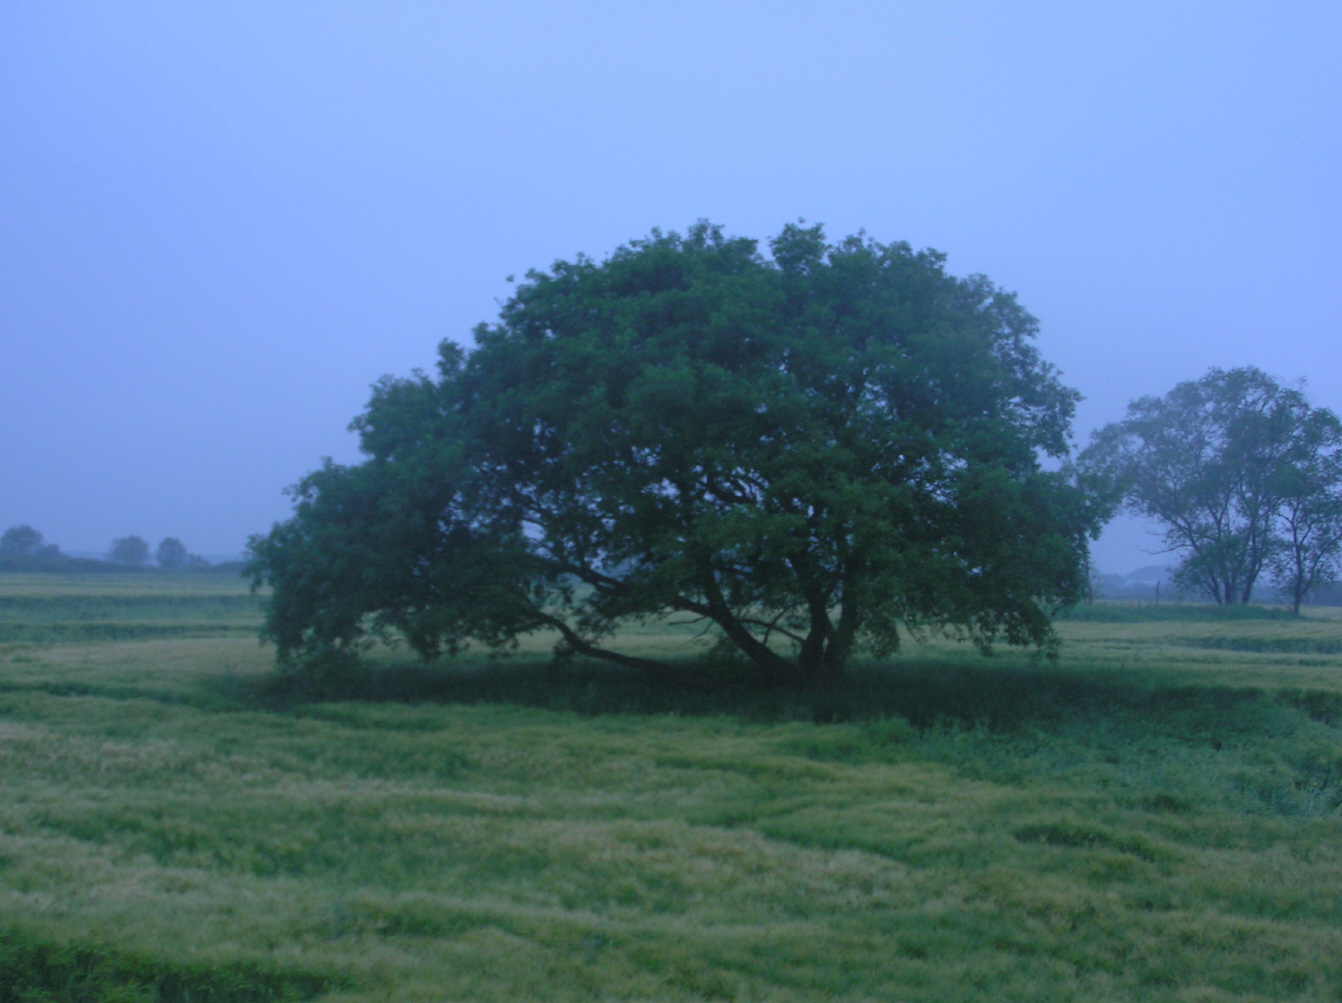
(1155, 816)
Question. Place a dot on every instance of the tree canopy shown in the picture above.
(129, 550)
(1245, 475)
(170, 554)
(20, 541)
(807, 453)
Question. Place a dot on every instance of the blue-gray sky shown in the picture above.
(219, 223)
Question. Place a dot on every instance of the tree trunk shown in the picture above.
(841, 640)
(811, 656)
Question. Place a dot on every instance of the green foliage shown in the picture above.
(1309, 549)
(810, 453)
(20, 541)
(1244, 474)
(170, 554)
(132, 551)
(22, 549)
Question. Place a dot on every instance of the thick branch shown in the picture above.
(583, 647)
(772, 626)
(776, 668)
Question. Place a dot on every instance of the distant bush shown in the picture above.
(1327, 595)
(130, 550)
(171, 554)
(23, 548)
(20, 541)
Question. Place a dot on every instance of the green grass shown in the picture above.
(1146, 612)
(1155, 817)
(54, 610)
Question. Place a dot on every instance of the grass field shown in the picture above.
(1155, 817)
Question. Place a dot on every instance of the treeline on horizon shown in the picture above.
(1155, 585)
(25, 549)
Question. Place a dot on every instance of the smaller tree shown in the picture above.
(171, 554)
(129, 550)
(1309, 551)
(20, 541)
(1211, 461)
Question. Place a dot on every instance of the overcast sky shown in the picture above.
(219, 223)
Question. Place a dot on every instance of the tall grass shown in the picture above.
(177, 822)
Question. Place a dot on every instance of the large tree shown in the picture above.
(1236, 467)
(805, 453)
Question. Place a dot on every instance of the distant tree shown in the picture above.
(1309, 551)
(130, 550)
(806, 454)
(1216, 460)
(20, 541)
(196, 563)
(170, 554)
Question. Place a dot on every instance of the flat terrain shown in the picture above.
(1155, 817)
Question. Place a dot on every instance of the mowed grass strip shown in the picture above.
(942, 828)
(85, 610)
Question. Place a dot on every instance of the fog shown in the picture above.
(219, 223)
